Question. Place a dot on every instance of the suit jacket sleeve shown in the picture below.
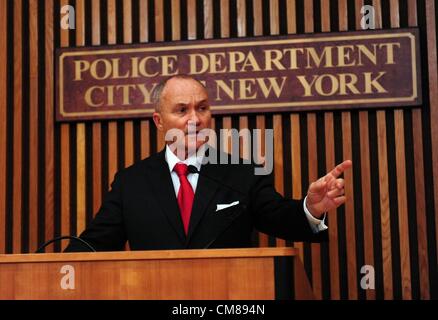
(278, 216)
(106, 232)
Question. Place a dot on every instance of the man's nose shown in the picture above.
(194, 117)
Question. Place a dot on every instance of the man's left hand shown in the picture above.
(327, 193)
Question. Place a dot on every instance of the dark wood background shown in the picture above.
(53, 176)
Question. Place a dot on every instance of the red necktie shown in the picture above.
(185, 194)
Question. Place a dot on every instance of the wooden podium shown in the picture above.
(256, 273)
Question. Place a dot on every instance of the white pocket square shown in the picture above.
(224, 206)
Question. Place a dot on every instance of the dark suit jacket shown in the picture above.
(142, 208)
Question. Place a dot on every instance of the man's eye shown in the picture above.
(182, 110)
(203, 108)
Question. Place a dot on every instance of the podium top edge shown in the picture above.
(150, 255)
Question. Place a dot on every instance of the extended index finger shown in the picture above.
(340, 168)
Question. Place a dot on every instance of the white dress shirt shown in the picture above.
(195, 160)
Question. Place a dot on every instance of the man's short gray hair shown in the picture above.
(158, 90)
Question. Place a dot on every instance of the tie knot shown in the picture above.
(181, 169)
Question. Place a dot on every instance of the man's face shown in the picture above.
(183, 100)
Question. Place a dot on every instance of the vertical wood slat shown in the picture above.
(129, 124)
(143, 20)
(385, 219)
(65, 158)
(3, 108)
(159, 36)
(366, 194)
(297, 192)
(176, 20)
(275, 23)
(17, 122)
(225, 18)
(330, 163)
(433, 99)
(258, 17)
(291, 16)
(419, 181)
(97, 128)
(81, 206)
(112, 125)
(208, 19)
(365, 177)
(225, 33)
(49, 206)
(260, 120)
(261, 125)
(349, 205)
(313, 176)
(277, 120)
(349, 209)
(295, 128)
(144, 124)
(33, 127)
(332, 215)
(401, 181)
(191, 19)
(241, 18)
(312, 160)
(278, 162)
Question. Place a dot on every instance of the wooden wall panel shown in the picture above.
(18, 130)
(49, 137)
(53, 185)
(3, 121)
(33, 127)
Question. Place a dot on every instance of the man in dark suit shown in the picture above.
(162, 203)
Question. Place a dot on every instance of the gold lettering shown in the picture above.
(246, 87)
(110, 95)
(306, 85)
(146, 93)
(350, 83)
(273, 57)
(250, 61)
(372, 56)
(168, 65)
(193, 65)
(142, 67)
(116, 63)
(80, 66)
(88, 96)
(273, 86)
(125, 92)
(389, 51)
(333, 81)
(229, 91)
(325, 56)
(107, 69)
(369, 82)
(293, 59)
(235, 58)
(216, 62)
(344, 56)
(134, 66)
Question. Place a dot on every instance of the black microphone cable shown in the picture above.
(66, 237)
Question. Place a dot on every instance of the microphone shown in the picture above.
(66, 237)
(193, 169)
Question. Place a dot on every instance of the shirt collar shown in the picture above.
(195, 159)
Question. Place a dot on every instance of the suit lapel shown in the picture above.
(205, 191)
(161, 182)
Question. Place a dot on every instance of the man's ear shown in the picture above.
(157, 120)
